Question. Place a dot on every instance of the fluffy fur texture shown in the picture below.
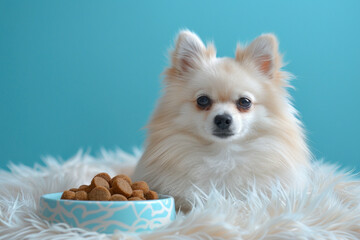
(327, 207)
(267, 144)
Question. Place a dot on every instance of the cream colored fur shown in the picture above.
(182, 156)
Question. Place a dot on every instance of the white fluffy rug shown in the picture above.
(329, 208)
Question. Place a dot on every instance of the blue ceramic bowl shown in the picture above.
(108, 216)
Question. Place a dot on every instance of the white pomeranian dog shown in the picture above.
(225, 122)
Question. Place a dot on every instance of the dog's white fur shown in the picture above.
(182, 155)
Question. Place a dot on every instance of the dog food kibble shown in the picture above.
(99, 182)
(138, 193)
(127, 178)
(150, 195)
(121, 186)
(99, 194)
(81, 195)
(105, 188)
(104, 176)
(83, 187)
(141, 185)
(68, 195)
(118, 197)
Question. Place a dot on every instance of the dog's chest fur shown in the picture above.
(228, 167)
(221, 161)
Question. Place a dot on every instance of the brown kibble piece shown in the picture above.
(151, 195)
(99, 182)
(140, 185)
(83, 187)
(138, 193)
(118, 197)
(135, 199)
(73, 189)
(68, 195)
(81, 195)
(123, 176)
(104, 176)
(99, 194)
(121, 186)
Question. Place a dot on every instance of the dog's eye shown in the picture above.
(203, 102)
(243, 103)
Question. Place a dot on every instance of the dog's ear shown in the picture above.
(189, 52)
(263, 53)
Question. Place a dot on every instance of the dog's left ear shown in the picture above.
(263, 53)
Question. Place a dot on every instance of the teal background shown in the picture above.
(86, 74)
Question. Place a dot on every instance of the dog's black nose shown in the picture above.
(223, 121)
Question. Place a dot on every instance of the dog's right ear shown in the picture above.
(263, 53)
(189, 52)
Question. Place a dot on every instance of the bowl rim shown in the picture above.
(57, 195)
